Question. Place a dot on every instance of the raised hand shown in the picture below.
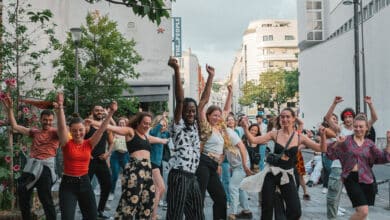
(230, 87)
(388, 137)
(337, 100)
(368, 100)
(172, 62)
(244, 122)
(60, 101)
(113, 106)
(7, 101)
(210, 70)
(341, 139)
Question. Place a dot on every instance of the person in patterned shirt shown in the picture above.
(184, 196)
(357, 155)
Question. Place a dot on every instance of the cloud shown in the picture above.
(214, 28)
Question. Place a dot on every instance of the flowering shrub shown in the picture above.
(12, 162)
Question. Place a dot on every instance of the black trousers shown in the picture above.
(43, 186)
(184, 196)
(289, 194)
(100, 169)
(209, 180)
(75, 190)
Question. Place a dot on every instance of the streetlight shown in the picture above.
(76, 36)
(356, 4)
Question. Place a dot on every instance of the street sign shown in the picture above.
(177, 36)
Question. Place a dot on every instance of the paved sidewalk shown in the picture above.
(313, 209)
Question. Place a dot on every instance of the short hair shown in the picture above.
(347, 110)
(47, 112)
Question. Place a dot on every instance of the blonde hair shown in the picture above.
(157, 120)
(207, 130)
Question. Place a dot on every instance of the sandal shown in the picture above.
(306, 197)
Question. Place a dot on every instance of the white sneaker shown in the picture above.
(111, 197)
(340, 213)
(341, 209)
(325, 190)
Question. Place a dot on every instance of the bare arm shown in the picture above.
(8, 104)
(329, 114)
(206, 93)
(156, 140)
(318, 147)
(98, 134)
(62, 130)
(374, 116)
(179, 92)
(252, 139)
(228, 102)
(243, 153)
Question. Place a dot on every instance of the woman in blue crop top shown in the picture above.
(285, 165)
(137, 186)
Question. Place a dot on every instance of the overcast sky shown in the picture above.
(213, 29)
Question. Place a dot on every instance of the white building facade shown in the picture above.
(153, 43)
(190, 70)
(269, 44)
(326, 60)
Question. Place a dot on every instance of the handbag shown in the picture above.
(274, 158)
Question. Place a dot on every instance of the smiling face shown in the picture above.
(230, 122)
(254, 130)
(360, 128)
(144, 125)
(214, 117)
(98, 112)
(189, 113)
(47, 121)
(77, 130)
(286, 118)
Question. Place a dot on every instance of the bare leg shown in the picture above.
(160, 189)
(361, 213)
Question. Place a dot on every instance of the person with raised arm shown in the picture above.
(280, 171)
(357, 155)
(183, 195)
(75, 185)
(39, 171)
(215, 140)
(346, 128)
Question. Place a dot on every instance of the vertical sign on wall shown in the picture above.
(177, 36)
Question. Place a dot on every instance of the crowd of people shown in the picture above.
(213, 150)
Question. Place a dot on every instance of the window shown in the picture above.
(266, 25)
(268, 37)
(365, 13)
(289, 37)
(350, 24)
(382, 4)
(314, 25)
(346, 27)
(376, 6)
(370, 8)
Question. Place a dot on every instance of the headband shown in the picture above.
(348, 113)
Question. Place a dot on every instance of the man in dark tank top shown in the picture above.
(98, 165)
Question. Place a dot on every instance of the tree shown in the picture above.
(274, 87)
(154, 9)
(106, 61)
(20, 60)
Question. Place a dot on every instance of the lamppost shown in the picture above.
(76, 36)
(356, 4)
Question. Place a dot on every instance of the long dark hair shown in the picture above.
(245, 139)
